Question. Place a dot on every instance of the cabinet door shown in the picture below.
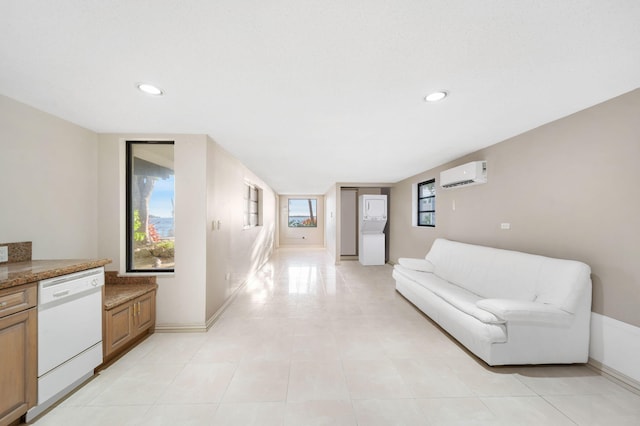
(18, 364)
(145, 315)
(118, 327)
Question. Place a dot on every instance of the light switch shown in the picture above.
(505, 226)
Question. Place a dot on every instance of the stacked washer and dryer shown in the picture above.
(372, 219)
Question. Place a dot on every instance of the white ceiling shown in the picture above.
(308, 93)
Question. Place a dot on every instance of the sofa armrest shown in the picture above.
(523, 311)
(422, 265)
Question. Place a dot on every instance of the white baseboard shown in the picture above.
(181, 328)
(615, 349)
(217, 314)
(203, 328)
(615, 376)
(197, 328)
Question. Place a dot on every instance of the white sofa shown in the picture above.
(506, 307)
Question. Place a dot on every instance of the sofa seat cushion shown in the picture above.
(458, 297)
(526, 312)
(466, 301)
(416, 264)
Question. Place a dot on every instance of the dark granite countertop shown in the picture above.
(18, 273)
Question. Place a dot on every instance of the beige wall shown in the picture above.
(569, 189)
(301, 237)
(48, 172)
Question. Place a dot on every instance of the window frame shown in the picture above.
(314, 199)
(252, 206)
(419, 198)
(129, 231)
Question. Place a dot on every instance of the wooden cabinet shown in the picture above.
(128, 322)
(18, 352)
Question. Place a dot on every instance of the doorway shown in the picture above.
(349, 226)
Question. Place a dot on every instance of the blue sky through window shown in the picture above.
(160, 201)
(300, 207)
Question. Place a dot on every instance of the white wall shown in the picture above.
(331, 220)
(181, 296)
(48, 176)
(233, 252)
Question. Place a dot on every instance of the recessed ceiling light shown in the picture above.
(436, 96)
(150, 89)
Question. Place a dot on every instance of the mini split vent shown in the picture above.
(472, 173)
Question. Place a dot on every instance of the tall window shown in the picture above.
(427, 203)
(150, 207)
(302, 213)
(252, 197)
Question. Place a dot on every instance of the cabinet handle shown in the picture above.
(138, 308)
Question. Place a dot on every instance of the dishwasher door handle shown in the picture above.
(61, 293)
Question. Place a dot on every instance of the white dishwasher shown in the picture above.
(69, 334)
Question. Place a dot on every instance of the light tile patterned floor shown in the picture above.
(311, 343)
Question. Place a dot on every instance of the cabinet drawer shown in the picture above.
(17, 299)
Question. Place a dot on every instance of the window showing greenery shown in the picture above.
(251, 205)
(150, 207)
(302, 213)
(427, 203)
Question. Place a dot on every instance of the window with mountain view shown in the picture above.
(150, 206)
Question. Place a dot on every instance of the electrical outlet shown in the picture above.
(4, 254)
(505, 226)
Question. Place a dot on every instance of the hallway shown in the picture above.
(307, 342)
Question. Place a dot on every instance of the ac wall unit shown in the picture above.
(472, 173)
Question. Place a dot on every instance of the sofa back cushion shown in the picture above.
(506, 274)
(563, 283)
